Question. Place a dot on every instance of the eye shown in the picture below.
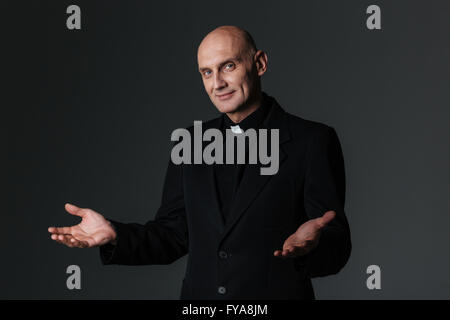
(229, 66)
(206, 72)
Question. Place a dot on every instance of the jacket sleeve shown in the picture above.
(324, 190)
(159, 241)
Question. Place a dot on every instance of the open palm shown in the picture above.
(306, 238)
(93, 230)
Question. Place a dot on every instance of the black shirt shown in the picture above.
(228, 176)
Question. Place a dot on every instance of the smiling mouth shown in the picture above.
(225, 96)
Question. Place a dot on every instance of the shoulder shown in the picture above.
(319, 140)
(301, 128)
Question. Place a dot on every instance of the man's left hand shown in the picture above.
(306, 238)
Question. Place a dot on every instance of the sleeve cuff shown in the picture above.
(108, 250)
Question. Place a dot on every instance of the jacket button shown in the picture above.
(223, 254)
(222, 290)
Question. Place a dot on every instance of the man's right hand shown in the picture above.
(93, 230)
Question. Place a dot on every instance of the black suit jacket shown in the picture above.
(235, 260)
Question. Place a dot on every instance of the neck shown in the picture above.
(244, 111)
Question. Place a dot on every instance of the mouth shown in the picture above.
(225, 96)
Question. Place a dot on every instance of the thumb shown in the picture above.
(326, 218)
(72, 209)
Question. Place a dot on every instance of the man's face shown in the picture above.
(227, 72)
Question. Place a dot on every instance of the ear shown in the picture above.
(261, 62)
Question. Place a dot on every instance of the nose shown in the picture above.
(219, 83)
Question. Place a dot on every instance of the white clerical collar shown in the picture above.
(236, 129)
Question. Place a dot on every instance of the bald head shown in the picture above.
(231, 68)
(236, 36)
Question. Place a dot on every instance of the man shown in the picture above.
(249, 236)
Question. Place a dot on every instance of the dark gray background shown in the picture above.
(88, 116)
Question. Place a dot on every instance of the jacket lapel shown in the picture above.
(252, 181)
(215, 212)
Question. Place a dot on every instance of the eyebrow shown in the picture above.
(236, 58)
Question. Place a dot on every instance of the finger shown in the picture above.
(79, 243)
(62, 241)
(294, 251)
(64, 238)
(72, 209)
(284, 253)
(280, 253)
(326, 218)
(60, 230)
(69, 241)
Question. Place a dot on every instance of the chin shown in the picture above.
(228, 109)
(229, 106)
